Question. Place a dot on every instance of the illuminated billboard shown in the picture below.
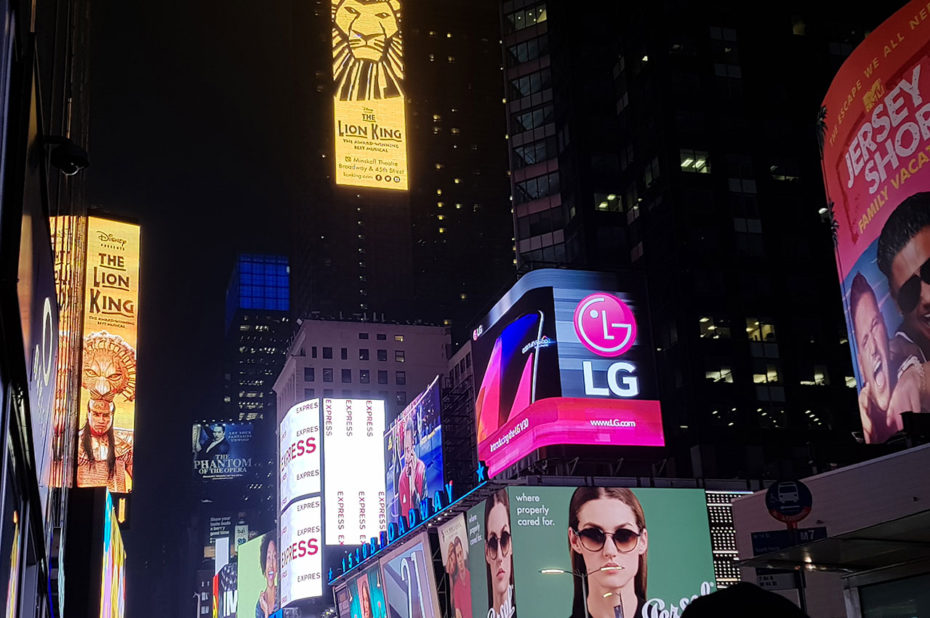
(227, 592)
(222, 451)
(413, 450)
(301, 558)
(647, 551)
(409, 585)
(108, 370)
(368, 102)
(113, 579)
(454, 549)
(257, 577)
(69, 236)
(299, 470)
(565, 357)
(875, 132)
(365, 594)
(353, 461)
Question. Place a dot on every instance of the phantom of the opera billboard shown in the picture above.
(108, 370)
(368, 102)
(565, 357)
(413, 454)
(222, 451)
(875, 130)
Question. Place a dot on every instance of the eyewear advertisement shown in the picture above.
(528, 550)
(875, 135)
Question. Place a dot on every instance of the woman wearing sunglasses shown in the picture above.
(608, 544)
(499, 556)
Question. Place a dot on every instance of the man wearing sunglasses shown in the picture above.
(904, 258)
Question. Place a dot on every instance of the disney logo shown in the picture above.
(107, 237)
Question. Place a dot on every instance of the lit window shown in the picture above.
(695, 161)
(760, 330)
(721, 375)
(399, 356)
(399, 338)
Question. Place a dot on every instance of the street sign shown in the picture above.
(768, 541)
(789, 501)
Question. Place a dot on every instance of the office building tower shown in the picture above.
(680, 140)
(441, 249)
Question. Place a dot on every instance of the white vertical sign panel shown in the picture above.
(353, 459)
(299, 469)
(301, 555)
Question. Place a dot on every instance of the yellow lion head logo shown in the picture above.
(367, 49)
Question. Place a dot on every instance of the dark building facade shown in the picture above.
(441, 250)
(679, 139)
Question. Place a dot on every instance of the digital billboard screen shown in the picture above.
(343, 601)
(876, 140)
(647, 551)
(301, 556)
(223, 451)
(299, 470)
(113, 580)
(565, 357)
(227, 592)
(257, 577)
(453, 549)
(368, 103)
(413, 450)
(409, 584)
(366, 594)
(353, 463)
(108, 369)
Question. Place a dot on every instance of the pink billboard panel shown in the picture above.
(875, 130)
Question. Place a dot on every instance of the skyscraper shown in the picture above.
(679, 140)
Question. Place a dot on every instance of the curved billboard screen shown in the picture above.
(875, 131)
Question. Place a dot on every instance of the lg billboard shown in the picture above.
(875, 135)
(565, 357)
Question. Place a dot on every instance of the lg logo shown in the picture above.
(605, 325)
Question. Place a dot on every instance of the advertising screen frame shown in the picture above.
(391, 572)
(111, 327)
(874, 134)
(356, 505)
(226, 459)
(548, 383)
(300, 463)
(424, 474)
(678, 553)
(251, 582)
(301, 546)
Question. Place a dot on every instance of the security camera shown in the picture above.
(67, 156)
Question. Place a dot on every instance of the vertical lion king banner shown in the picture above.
(108, 368)
(368, 102)
(875, 135)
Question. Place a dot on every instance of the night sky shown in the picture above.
(191, 134)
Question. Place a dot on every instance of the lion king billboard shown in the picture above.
(875, 133)
(108, 367)
(368, 99)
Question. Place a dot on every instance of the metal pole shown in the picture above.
(584, 591)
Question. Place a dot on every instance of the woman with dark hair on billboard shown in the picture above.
(608, 546)
(499, 556)
(461, 579)
(364, 597)
(268, 557)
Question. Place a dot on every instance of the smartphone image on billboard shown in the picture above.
(509, 383)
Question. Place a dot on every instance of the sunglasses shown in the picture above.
(593, 539)
(909, 293)
(493, 544)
